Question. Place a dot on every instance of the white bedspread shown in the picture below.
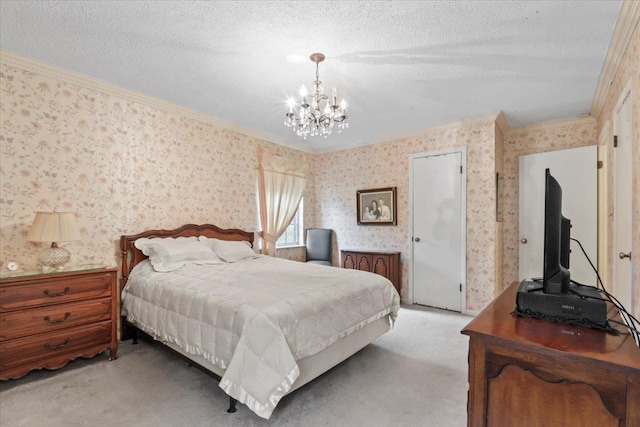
(257, 317)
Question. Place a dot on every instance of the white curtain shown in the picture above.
(281, 184)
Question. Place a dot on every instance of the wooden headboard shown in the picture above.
(131, 255)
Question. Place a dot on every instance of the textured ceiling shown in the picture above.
(401, 65)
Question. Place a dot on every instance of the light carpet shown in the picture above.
(415, 375)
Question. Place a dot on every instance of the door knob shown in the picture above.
(416, 239)
(523, 241)
(622, 255)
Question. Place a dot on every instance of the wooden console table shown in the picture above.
(529, 372)
(384, 263)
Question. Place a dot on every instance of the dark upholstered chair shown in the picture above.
(318, 244)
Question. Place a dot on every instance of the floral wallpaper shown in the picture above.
(520, 143)
(340, 174)
(124, 166)
(628, 71)
(121, 166)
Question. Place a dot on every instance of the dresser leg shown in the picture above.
(113, 355)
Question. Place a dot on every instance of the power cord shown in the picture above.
(629, 320)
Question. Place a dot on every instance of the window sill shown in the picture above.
(290, 247)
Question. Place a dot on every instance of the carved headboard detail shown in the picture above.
(131, 255)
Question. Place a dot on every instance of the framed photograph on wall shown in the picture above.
(377, 206)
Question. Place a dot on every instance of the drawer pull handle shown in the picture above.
(56, 347)
(66, 316)
(59, 294)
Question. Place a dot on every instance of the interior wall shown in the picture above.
(499, 232)
(121, 166)
(126, 166)
(628, 70)
(340, 174)
(559, 135)
(71, 147)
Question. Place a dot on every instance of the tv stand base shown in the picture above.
(582, 305)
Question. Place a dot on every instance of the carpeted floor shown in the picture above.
(415, 375)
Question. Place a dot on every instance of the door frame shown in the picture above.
(463, 231)
(627, 91)
(603, 205)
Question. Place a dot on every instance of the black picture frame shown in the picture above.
(370, 211)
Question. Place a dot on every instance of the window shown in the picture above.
(292, 236)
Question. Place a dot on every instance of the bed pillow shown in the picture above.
(168, 254)
(230, 250)
(210, 242)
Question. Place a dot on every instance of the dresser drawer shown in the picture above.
(29, 350)
(54, 290)
(16, 324)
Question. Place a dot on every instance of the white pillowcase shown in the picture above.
(168, 254)
(230, 250)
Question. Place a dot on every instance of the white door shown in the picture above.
(438, 228)
(576, 171)
(622, 286)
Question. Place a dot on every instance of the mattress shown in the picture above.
(257, 318)
(313, 366)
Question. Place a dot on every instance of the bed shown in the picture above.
(264, 326)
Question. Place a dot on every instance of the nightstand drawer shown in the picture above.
(81, 339)
(21, 323)
(55, 291)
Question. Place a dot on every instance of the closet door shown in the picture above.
(622, 205)
(438, 229)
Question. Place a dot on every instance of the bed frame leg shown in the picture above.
(127, 331)
(232, 405)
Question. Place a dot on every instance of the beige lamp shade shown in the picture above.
(53, 227)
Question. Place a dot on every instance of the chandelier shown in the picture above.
(316, 114)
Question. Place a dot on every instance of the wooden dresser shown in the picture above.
(47, 320)
(384, 263)
(529, 372)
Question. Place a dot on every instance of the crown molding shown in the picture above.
(32, 65)
(483, 118)
(501, 121)
(35, 66)
(18, 61)
(625, 26)
(582, 119)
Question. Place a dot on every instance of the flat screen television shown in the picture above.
(559, 299)
(557, 235)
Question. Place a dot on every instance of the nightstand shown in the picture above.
(49, 319)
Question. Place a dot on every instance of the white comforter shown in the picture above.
(257, 317)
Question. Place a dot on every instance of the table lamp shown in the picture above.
(53, 227)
